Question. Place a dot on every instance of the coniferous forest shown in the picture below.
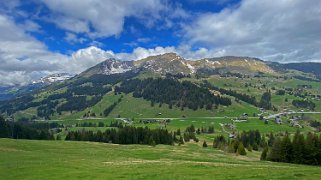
(124, 135)
(300, 149)
(173, 92)
(19, 131)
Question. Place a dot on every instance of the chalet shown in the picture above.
(243, 116)
(278, 120)
(232, 136)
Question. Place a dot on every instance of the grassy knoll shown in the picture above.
(25, 159)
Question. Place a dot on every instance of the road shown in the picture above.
(288, 113)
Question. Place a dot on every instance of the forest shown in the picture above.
(173, 92)
(19, 131)
(298, 150)
(124, 135)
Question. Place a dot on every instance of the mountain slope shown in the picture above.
(314, 68)
(171, 63)
(115, 87)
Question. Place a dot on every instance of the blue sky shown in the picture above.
(40, 37)
(134, 33)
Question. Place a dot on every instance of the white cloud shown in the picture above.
(283, 30)
(279, 30)
(72, 38)
(30, 26)
(140, 53)
(18, 48)
(91, 56)
(99, 18)
(24, 58)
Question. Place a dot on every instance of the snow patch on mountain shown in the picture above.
(192, 68)
(115, 68)
(59, 77)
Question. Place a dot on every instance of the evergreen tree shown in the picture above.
(298, 148)
(181, 140)
(152, 142)
(204, 144)
(286, 149)
(241, 150)
(275, 152)
(264, 154)
(265, 101)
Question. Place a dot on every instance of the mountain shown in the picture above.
(314, 68)
(171, 63)
(167, 63)
(232, 64)
(10, 92)
(109, 66)
(178, 87)
(59, 77)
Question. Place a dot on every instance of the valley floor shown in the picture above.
(30, 159)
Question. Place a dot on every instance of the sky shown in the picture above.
(42, 37)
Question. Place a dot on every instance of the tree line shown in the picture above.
(251, 140)
(265, 101)
(243, 97)
(110, 108)
(299, 150)
(303, 104)
(173, 92)
(124, 135)
(18, 131)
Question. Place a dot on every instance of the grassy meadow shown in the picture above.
(31, 159)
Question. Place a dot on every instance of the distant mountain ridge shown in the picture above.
(171, 63)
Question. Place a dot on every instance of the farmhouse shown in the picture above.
(278, 120)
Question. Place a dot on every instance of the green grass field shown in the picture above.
(29, 159)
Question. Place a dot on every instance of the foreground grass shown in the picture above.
(26, 159)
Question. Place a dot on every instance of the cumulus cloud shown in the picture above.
(24, 58)
(21, 54)
(280, 30)
(93, 55)
(72, 38)
(99, 18)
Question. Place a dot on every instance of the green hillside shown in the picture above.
(29, 159)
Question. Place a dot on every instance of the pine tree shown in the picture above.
(275, 152)
(181, 140)
(241, 150)
(204, 144)
(178, 132)
(271, 139)
(310, 149)
(264, 154)
(298, 148)
(286, 149)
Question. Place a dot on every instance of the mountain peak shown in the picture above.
(167, 56)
